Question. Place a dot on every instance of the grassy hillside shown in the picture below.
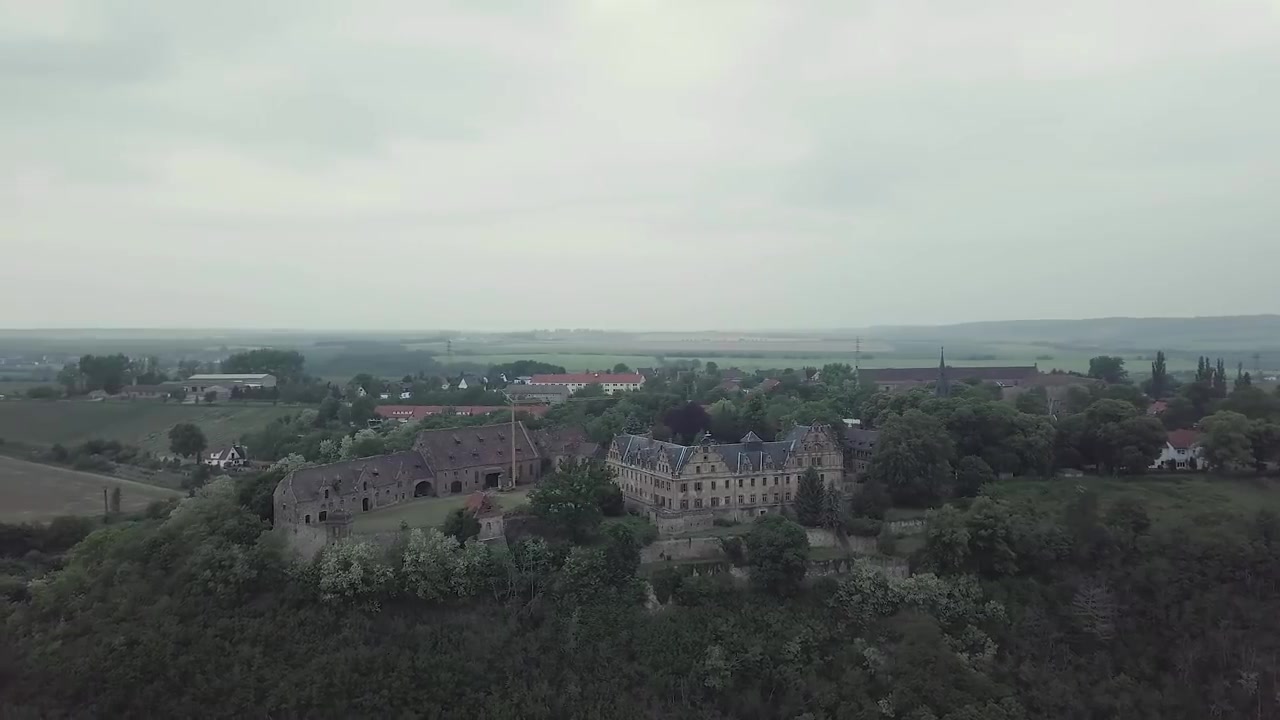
(1165, 497)
(31, 492)
(145, 424)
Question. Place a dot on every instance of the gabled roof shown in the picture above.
(344, 477)
(767, 385)
(860, 439)
(1183, 439)
(230, 376)
(741, 457)
(467, 447)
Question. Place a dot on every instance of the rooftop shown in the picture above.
(230, 376)
(930, 374)
(587, 378)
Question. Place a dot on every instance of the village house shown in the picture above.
(1181, 451)
(200, 384)
(610, 382)
(149, 392)
(686, 487)
(227, 457)
(565, 445)
(441, 463)
(411, 413)
(860, 445)
(550, 394)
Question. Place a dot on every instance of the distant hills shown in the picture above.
(1227, 333)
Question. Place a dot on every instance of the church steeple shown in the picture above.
(943, 388)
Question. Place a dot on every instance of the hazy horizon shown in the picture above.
(635, 166)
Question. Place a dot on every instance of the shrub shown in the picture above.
(92, 464)
(724, 522)
(735, 550)
(641, 529)
(864, 527)
(887, 542)
(665, 582)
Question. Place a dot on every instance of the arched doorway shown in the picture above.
(364, 504)
(423, 489)
(455, 486)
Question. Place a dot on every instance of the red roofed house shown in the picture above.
(1181, 451)
(612, 382)
(485, 508)
(411, 413)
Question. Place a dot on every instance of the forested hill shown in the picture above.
(1019, 612)
(1239, 332)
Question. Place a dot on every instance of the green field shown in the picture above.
(31, 492)
(1167, 498)
(578, 362)
(425, 512)
(142, 423)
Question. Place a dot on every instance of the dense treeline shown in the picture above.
(1074, 612)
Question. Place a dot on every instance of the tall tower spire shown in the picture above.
(943, 388)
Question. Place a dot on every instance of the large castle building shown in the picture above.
(687, 487)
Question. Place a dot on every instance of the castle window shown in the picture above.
(713, 484)
(684, 504)
(788, 479)
(326, 492)
(739, 499)
(822, 477)
(697, 502)
(697, 486)
(697, 468)
(753, 482)
(739, 482)
(775, 497)
(366, 486)
(715, 502)
(307, 520)
(324, 516)
(684, 487)
(788, 497)
(753, 499)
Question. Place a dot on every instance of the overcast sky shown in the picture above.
(635, 164)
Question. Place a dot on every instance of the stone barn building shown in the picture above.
(442, 462)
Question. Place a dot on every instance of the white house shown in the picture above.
(228, 456)
(611, 382)
(1181, 451)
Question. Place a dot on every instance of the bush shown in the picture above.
(703, 589)
(92, 463)
(641, 529)
(872, 500)
(887, 542)
(863, 526)
(665, 582)
(724, 522)
(735, 550)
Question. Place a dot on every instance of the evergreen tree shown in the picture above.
(809, 499)
(1159, 376)
(1220, 380)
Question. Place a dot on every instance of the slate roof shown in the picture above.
(860, 439)
(742, 457)
(468, 447)
(344, 477)
(956, 374)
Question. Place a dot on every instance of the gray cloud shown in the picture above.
(634, 163)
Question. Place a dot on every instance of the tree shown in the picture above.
(1264, 436)
(187, 440)
(972, 472)
(913, 458)
(1226, 443)
(1113, 436)
(569, 499)
(1158, 385)
(461, 524)
(69, 378)
(211, 397)
(1108, 368)
(809, 498)
(115, 500)
(285, 365)
(621, 368)
(778, 554)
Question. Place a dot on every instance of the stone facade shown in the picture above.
(684, 488)
(442, 462)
